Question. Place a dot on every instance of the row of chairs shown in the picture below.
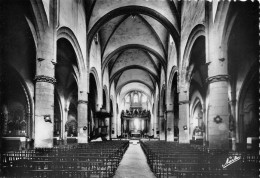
(97, 159)
(173, 160)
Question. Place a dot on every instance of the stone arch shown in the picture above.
(197, 31)
(67, 33)
(162, 109)
(111, 101)
(133, 46)
(162, 97)
(93, 71)
(105, 91)
(41, 18)
(194, 71)
(174, 71)
(196, 123)
(119, 72)
(134, 81)
(133, 9)
(227, 29)
(248, 104)
(196, 97)
(58, 114)
(32, 27)
(29, 103)
(93, 103)
(173, 104)
(222, 17)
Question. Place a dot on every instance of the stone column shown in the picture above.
(147, 128)
(107, 123)
(218, 120)
(156, 127)
(118, 126)
(204, 126)
(233, 122)
(183, 117)
(170, 125)
(113, 126)
(124, 125)
(64, 121)
(151, 125)
(217, 94)
(83, 118)
(162, 127)
(44, 110)
(44, 90)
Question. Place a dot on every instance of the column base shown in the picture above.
(184, 137)
(82, 138)
(162, 136)
(43, 134)
(216, 141)
(170, 136)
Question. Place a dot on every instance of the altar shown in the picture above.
(135, 124)
(135, 133)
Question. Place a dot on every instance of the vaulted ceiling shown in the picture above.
(134, 37)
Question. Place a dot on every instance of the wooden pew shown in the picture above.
(183, 160)
(82, 160)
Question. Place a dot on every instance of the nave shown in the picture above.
(182, 74)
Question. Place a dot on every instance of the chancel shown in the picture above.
(129, 88)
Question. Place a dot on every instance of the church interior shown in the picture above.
(171, 85)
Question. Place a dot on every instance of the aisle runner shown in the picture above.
(134, 164)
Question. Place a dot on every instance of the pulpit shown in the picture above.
(103, 128)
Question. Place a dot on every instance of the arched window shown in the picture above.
(135, 98)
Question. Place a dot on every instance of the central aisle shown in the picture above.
(134, 164)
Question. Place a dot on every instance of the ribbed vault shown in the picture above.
(133, 38)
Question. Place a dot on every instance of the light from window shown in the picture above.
(135, 98)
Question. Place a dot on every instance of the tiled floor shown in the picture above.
(134, 164)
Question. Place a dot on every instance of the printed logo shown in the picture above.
(230, 160)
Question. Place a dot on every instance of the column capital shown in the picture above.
(217, 78)
(184, 102)
(82, 102)
(44, 78)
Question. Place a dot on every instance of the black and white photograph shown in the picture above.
(129, 88)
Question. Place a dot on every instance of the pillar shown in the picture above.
(64, 121)
(217, 94)
(232, 117)
(118, 132)
(113, 126)
(170, 125)
(151, 125)
(44, 90)
(124, 126)
(218, 116)
(107, 123)
(183, 117)
(83, 118)
(44, 110)
(162, 127)
(204, 120)
(156, 127)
